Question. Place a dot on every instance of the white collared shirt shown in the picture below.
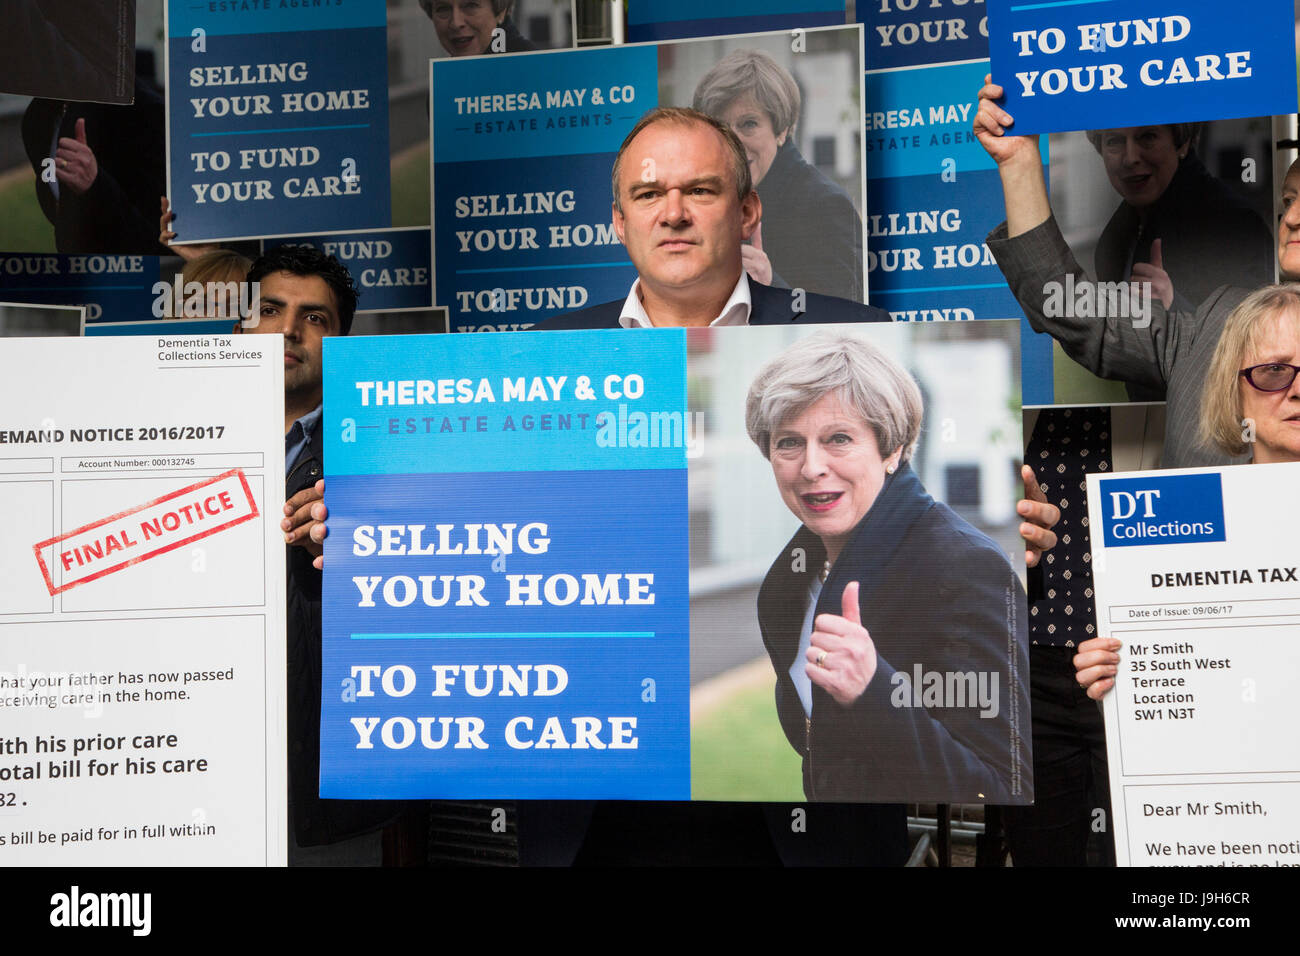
(734, 312)
(799, 666)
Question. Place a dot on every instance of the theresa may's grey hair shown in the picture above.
(867, 381)
(682, 116)
(751, 73)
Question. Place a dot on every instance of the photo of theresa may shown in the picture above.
(894, 624)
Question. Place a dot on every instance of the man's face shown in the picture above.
(681, 220)
(465, 26)
(304, 310)
(1288, 227)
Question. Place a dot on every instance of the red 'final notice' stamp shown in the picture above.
(153, 528)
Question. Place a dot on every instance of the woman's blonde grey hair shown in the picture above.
(219, 265)
(220, 274)
(1245, 332)
(753, 73)
(867, 381)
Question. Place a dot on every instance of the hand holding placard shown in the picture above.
(1065, 67)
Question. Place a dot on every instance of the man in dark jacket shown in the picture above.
(307, 295)
(684, 204)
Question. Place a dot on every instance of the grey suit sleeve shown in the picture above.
(1112, 347)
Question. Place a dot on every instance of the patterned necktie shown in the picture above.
(1067, 444)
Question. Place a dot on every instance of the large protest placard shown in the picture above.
(649, 20)
(511, 640)
(775, 492)
(932, 190)
(523, 148)
(277, 124)
(1195, 575)
(932, 194)
(506, 595)
(142, 617)
(910, 33)
(1081, 64)
(112, 288)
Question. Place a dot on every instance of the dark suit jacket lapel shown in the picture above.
(783, 598)
(872, 552)
(766, 304)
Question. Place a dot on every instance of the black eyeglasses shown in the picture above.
(1273, 377)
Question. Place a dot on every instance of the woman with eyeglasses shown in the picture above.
(1250, 406)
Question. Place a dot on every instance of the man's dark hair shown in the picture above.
(310, 261)
(684, 116)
